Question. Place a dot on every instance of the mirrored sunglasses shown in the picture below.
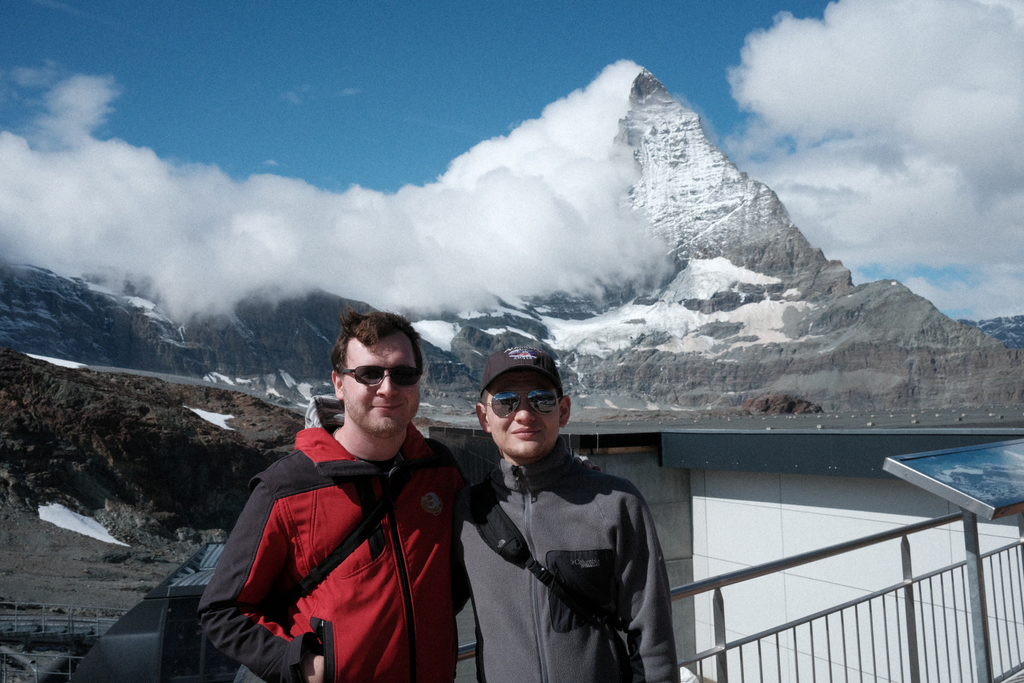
(507, 402)
(372, 375)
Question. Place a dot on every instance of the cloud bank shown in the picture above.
(893, 131)
(542, 209)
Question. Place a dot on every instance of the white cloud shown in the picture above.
(540, 210)
(75, 107)
(893, 131)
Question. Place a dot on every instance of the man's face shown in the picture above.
(383, 410)
(525, 435)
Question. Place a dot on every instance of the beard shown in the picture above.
(383, 428)
(380, 426)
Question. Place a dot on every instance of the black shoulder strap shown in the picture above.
(396, 481)
(502, 536)
(351, 542)
(495, 528)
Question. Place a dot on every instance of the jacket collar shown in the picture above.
(537, 475)
(332, 460)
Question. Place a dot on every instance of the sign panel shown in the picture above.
(987, 480)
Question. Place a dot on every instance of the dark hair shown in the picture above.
(369, 329)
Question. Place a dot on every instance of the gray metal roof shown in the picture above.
(839, 452)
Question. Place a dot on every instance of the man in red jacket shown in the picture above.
(385, 612)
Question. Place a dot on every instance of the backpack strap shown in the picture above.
(496, 529)
(398, 477)
(355, 539)
(502, 536)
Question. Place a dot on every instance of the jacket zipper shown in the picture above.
(535, 592)
(403, 575)
(325, 632)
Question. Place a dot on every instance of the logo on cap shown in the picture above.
(520, 353)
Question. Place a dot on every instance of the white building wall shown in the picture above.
(742, 519)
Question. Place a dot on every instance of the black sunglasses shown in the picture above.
(372, 375)
(507, 402)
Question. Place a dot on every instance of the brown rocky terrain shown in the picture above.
(127, 451)
(779, 404)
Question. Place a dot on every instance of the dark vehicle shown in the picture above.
(159, 640)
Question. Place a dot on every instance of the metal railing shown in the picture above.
(918, 630)
(42, 623)
(46, 642)
(17, 666)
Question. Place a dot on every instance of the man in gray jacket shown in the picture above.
(590, 532)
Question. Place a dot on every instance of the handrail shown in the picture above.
(722, 580)
(468, 649)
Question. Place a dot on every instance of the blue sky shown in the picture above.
(379, 94)
(891, 129)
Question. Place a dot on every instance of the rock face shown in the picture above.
(703, 207)
(751, 309)
(128, 450)
(779, 404)
(279, 351)
(875, 347)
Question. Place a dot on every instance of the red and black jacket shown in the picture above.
(384, 614)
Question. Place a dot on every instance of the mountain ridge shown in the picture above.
(1007, 329)
(748, 308)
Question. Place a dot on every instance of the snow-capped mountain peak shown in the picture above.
(750, 309)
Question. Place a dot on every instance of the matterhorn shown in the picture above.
(745, 308)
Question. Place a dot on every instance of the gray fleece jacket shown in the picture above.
(595, 532)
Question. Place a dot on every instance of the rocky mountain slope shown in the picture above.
(279, 351)
(704, 208)
(132, 451)
(751, 309)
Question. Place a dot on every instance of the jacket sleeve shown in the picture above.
(234, 608)
(645, 598)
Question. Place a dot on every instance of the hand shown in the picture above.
(312, 668)
(588, 463)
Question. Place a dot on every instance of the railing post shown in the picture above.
(911, 609)
(979, 608)
(1020, 534)
(718, 619)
